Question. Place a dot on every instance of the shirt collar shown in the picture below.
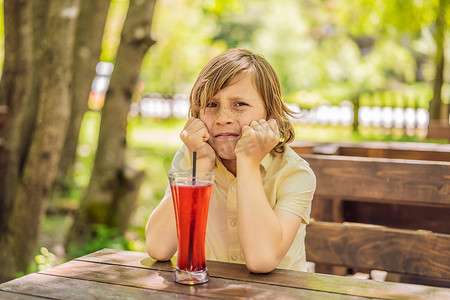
(220, 168)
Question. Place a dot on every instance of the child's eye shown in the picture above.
(241, 104)
(211, 104)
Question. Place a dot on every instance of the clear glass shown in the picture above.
(191, 197)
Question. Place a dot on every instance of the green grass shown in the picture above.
(145, 124)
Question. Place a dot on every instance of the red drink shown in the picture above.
(191, 203)
(191, 212)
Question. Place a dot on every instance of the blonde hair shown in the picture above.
(219, 72)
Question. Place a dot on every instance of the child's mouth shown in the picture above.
(226, 135)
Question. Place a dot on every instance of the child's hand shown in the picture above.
(257, 140)
(195, 136)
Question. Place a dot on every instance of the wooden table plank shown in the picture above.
(18, 296)
(39, 285)
(286, 278)
(162, 281)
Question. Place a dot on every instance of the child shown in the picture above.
(261, 198)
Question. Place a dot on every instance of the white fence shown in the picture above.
(156, 106)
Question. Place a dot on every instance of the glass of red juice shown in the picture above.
(191, 196)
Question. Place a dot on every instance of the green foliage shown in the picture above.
(113, 28)
(329, 48)
(325, 47)
(104, 237)
(219, 7)
(145, 151)
(87, 146)
(183, 34)
(384, 17)
(315, 46)
(152, 145)
(45, 260)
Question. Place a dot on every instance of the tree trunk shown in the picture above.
(14, 89)
(110, 180)
(86, 55)
(436, 102)
(40, 13)
(20, 236)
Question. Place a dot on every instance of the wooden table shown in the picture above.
(113, 274)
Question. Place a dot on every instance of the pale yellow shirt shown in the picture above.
(289, 184)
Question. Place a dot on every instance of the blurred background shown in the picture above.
(352, 71)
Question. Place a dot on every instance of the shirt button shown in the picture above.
(233, 189)
(234, 257)
(233, 224)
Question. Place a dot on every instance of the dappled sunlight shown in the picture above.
(59, 287)
(242, 291)
(153, 281)
(119, 274)
(156, 264)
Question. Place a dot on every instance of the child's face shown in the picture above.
(231, 108)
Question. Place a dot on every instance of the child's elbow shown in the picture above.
(158, 253)
(261, 265)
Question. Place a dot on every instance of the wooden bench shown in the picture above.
(401, 150)
(421, 249)
(355, 211)
(417, 151)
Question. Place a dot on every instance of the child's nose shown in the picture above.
(225, 116)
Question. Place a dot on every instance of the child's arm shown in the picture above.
(160, 232)
(265, 235)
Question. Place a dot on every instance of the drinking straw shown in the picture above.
(192, 225)
(194, 165)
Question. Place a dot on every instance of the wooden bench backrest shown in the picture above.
(417, 253)
(380, 180)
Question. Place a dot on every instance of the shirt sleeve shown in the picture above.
(296, 189)
(181, 162)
